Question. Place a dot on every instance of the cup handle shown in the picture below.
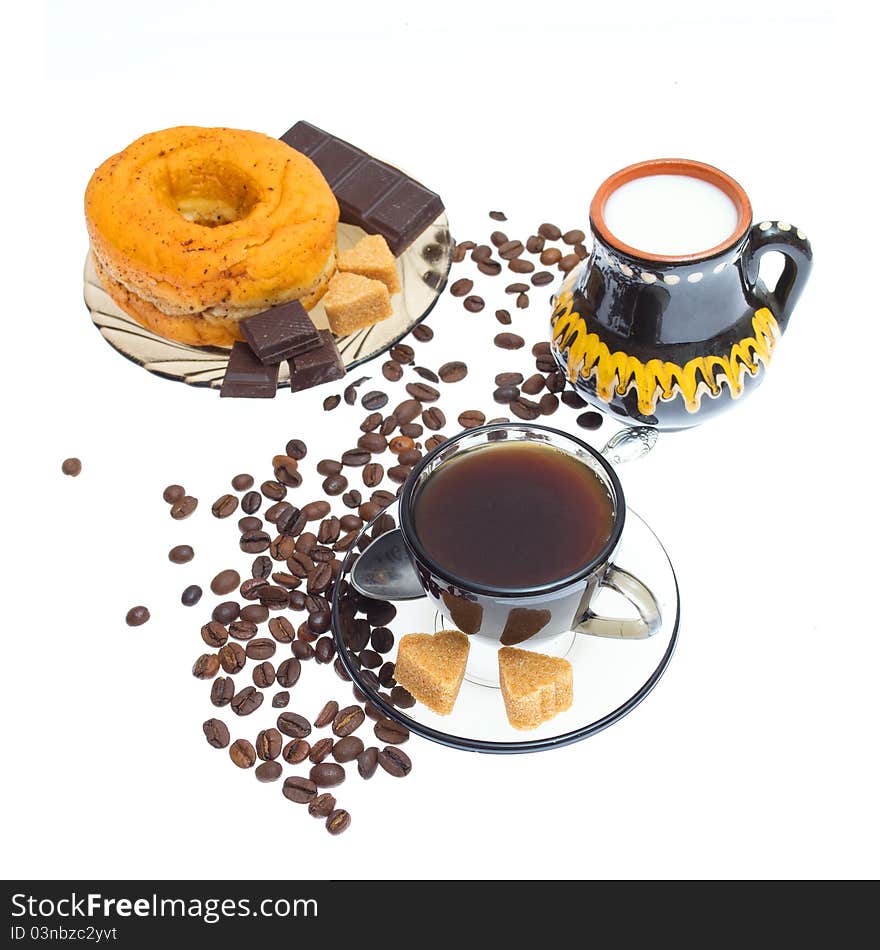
(791, 242)
(621, 628)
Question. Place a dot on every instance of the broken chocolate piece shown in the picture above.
(280, 333)
(247, 377)
(374, 196)
(317, 366)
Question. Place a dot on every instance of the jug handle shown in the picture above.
(793, 244)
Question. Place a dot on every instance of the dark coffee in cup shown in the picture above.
(513, 515)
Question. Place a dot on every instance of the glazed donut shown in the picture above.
(194, 229)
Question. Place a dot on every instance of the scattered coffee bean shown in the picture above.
(522, 301)
(395, 761)
(367, 762)
(243, 482)
(249, 524)
(474, 304)
(533, 385)
(535, 244)
(232, 658)
(320, 750)
(373, 442)
(246, 701)
(423, 392)
(347, 749)
(347, 720)
(242, 754)
(392, 371)
(389, 424)
(281, 699)
(542, 278)
(302, 650)
(298, 789)
(402, 698)
(428, 374)
(508, 379)
(548, 404)
(423, 333)
(516, 288)
(509, 341)
(498, 238)
(327, 774)
(296, 449)
(482, 252)
(373, 474)
(71, 467)
(550, 232)
(462, 287)
(520, 266)
(331, 402)
(575, 236)
(399, 473)
(589, 420)
(552, 255)
(251, 501)
(525, 409)
(226, 612)
(222, 691)
(402, 353)
(181, 554)
(225, 582)
(503, 317)
(372, 422)
(254, 613)
(374, 400)
(173, 493)
(407, 411)
(286, 471)
(268, 772)
(573, 400)
(489, 267)
(274, 490)
(137, 616)
(251, 588)
(184, 507)
(288, 674)
(349, 394)
(497, 215)
(216, 733)
(296, 751)
(471, 418)
(292, 724)
(354, 458)
(268, 744)
(260, 649)
(453, 371)
(556, 381)
(224, 506)
(327, 713)
(387, 730)
(568, 263)
(191, 595)
(322, 806)
(254, 542)
(510, 249)
(338, 821)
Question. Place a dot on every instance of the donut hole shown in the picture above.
(212, 194)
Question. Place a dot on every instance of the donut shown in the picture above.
(194, 229)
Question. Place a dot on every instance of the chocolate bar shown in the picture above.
(280, 333)
(374, 196)
(247, 377)
(317, 366)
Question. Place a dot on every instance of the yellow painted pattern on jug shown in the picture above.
(658, 379)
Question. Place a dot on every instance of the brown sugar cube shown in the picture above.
(353, 302)
(535, 687)
(432, 667)
(371, 257)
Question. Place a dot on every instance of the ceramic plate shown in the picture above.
(423, 269)
(611, 677)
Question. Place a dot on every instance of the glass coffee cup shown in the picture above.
(528, 614)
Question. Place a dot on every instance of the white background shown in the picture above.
(757, 753)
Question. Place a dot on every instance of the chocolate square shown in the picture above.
(280, 332)
(304, 137)
(336, 159)
(318, 366)
(247, 377)
(403, 213)
(360, 190)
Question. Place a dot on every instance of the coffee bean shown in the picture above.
(520, 266)
(320, 750)
(268, 744)
(334, 484)
(331, 402)
(550, 232)
(548, 404)
(369, 659)
(226, 612)
(498, 238)
(516, 288)
(389, 424)
(412, 430)
(347, 749)
(216, 733)
(387, 730)
(575, 236)
(489, 267)
(297, 600)
(402, 353)
(263, 675)
(279, 512)
(395, 762)
(322, 806)
(482, 252)
(251, 502)
(299, 790)
(348, 720)
(181, 554)
(503, 317)
(338, 821)
(556, 381)
(340, 671)
(474, 304)
(471, 418)
(522, 301)
(453, 371)
(382, 639)
(392, 371)
(296, 751)
(509, 341)
(327, 714)
(173, 493)
(327, 774)
(242, 754)
(428, 374)
(386, 675)
(280, 699)
(254, 613)
(288, 674)
(286, 470)
(320, 579)
(535, 244)
(302, 650)
(373, 474)
(462, 287)
(268, 772)
(373, 442)
(403, 443)
(292, 724)
(399, 473)
(250, 589)
(249, 524)
(525, 409)
(274, 490)
(137, 616)
(534, 384)
(510, 249)
(408, 410)
(374, 400)
(423, 392)
(590, 420)
(542, 278)
(191, 595)
(329, 467)
(296, 449)
(349, 394)
(260, 649)
(545, 364)
(423, 333)
(346, 541)
(372, 422)
(328, 530)
(568, 263)
(246, 701)
(242, 482)
(324, 650)
(355, 457)
(552, 255)
(222, 691)
(224, 506)
(225, 582)
(573, 400)
(367, 762)
(254, 542)
(232, 658)
(508, 379)
(505, 394)
(184, 507)
(402, 698)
